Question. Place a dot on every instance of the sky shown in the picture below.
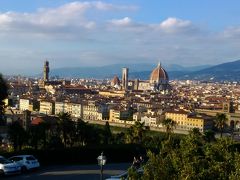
(97, 33)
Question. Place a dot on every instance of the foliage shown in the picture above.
(169, 124)
(133, 174)
(66, 127)
(220, 122)
(3, 95)
(107, 134)
(135, 133)
(17, 135)
(195, 158)
(38, 135)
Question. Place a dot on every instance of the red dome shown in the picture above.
(158, 74)
(115, 81)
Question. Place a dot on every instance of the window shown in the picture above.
(30, 158)
(16, 158)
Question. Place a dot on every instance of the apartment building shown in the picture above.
(47, 107)
(187, 121)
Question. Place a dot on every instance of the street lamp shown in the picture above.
(101, 162)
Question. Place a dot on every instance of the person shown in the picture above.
(141, 161)
(136, 163)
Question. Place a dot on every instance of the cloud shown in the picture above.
(97, 33)
(232, 32)
(121, 22)
(175, 25)
(61, 19)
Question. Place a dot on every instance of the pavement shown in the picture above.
(72, 172)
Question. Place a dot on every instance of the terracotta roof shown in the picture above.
(37, 121)
(115, 80)
(158, 73)
(49, 119)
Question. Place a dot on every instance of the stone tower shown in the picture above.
(46, 71)
(125, 78)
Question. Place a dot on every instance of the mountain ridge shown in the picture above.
(115, 69)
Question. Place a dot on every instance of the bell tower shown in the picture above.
(46, 71)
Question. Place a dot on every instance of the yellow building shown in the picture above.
(186, 121)
(47, 107)
(24, 104)
(120, 116)
(60, 107)
(95, 111)
(74, 109)
(28, 104)
(112, 93)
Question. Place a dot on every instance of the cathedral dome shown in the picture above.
(115, 81)
(158, 74)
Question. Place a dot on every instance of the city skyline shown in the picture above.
(97, 33)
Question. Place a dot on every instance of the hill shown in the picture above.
(141, 71)
(223, 72)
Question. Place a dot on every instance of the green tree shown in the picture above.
(17, 135)
(135, 133)
(133, 174)
(38, 135)
(107, 133)
(66, 126)
(82, 131)
(220, 122)
(169, 124)
(3, 95)
(209, 136)
(194, 158)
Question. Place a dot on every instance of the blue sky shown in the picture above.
(90, 33)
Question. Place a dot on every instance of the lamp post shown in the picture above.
(101, 162)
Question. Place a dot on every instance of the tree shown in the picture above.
(169, 124)
(220, 122)
(66, 126)
(107, 133)
(135, 133)
(209, 135)
(17, 135)
(3, 95)
(38, 135)
(194, 158)
(81, 132)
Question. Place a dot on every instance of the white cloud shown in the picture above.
(121, 22)
(4, 18)
(107, 6)
(174, 25)
(66, 31)
(232, 32)
(48, 20)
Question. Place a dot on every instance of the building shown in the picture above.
(47, 107)
(74, 109)
(159, 79)
(28, 104)
(115, 82)
(125, 78)
(77, 110)
(151, 120)
(60, 107)
(112, 93)
(120, 115)
(24, 104)
(95, 111)
(46, 71)
(186, 121)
